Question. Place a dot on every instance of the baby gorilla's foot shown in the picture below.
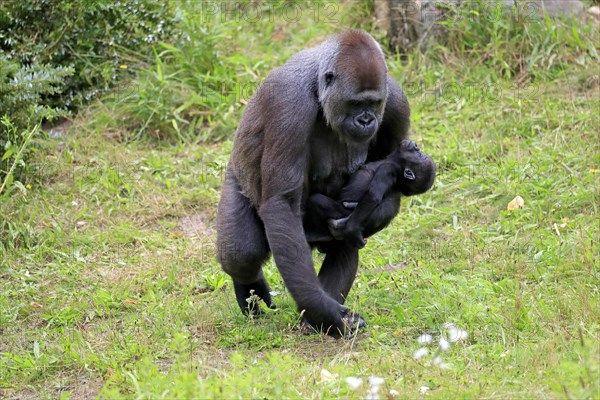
(339, 230)
(350, 204)
(337, 227)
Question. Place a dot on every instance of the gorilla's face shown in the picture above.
(417, 169)
(354, 92)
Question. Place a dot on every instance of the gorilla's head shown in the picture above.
(352, 86)
(417, 169)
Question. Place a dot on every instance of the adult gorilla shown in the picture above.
(313, 122)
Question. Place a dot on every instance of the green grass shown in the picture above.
(110, 287)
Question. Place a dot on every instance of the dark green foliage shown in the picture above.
(94, 37)
(22, 89)
(56, 55)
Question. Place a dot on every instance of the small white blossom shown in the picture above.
(421, 353)
(423, 389)
(425, 338)
(354, 382)
(444, 344)
(394, 392)
(327, 376)
(455, 334)
(437, 360)
(373, 392)
(375, 381)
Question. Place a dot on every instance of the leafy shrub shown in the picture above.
(56, 55)
(190, 91)
(22, 110)
(94, 37)
(22, 89)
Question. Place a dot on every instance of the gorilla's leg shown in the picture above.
(242, 246)
(339, 269)
(247, 295)
(337, 276)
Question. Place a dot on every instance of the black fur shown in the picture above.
(407, 170)
(312, 123)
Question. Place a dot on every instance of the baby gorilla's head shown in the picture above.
(417, 169)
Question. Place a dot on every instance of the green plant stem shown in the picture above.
(18, 157)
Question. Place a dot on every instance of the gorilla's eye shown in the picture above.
(328, 78)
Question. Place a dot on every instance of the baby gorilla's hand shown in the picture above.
(340, 230)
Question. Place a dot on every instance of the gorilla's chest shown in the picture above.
(332, 161)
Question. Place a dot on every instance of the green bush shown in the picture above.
(22, 89)
(188, 92)
(94, 37)
(192, 89)
(56, 55)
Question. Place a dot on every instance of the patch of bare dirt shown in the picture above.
(194, 226)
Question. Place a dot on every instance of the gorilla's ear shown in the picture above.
(328, 77)
(408, 174)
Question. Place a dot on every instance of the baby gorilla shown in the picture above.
(407, 170)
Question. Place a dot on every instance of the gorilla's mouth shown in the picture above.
(360, 136)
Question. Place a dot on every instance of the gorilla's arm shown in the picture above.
(283, 165)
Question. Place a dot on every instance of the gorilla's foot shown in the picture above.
(249, 297)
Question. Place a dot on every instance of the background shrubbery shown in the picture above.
(56, 55)
(93, 37)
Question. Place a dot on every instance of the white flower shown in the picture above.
(444, 344)
(455, 334)
(421, 353)
(375, 381)
(354, 382)
(423, 389)
(425, 338)
(394, 392)
(74, 203)
(437, 360)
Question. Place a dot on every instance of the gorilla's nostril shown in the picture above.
(364, 119)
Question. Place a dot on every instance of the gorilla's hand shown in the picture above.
(351, 323)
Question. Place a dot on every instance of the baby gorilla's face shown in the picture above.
(418, 169)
